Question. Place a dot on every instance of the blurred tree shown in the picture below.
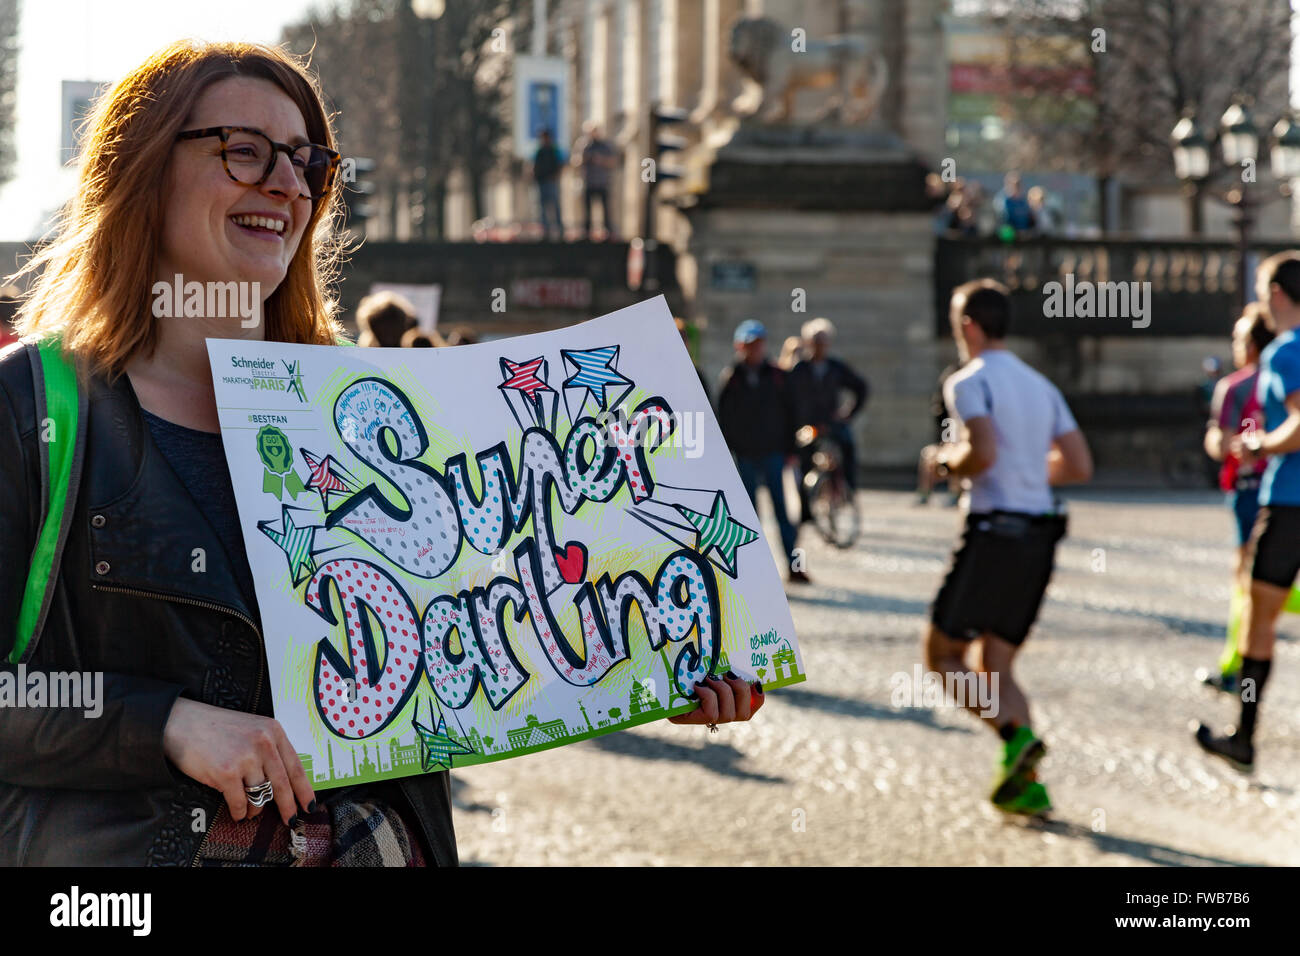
(8, 86)
(422, 95)
(1146, 62)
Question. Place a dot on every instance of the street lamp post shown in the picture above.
(1239, 141)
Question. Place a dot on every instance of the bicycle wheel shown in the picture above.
(846, 524)
(822, 506)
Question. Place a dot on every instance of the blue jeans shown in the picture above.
(768, 470)
(548, 193)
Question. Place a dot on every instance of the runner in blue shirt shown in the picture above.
(1275, 539)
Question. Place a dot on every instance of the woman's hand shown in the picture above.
(230, 750)
(723, 700)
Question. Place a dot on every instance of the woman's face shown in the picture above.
(200, 238)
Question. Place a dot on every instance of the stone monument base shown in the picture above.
(799, 222)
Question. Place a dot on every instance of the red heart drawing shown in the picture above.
(572, 563)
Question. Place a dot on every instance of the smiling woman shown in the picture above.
(147, 204)
(210, 167)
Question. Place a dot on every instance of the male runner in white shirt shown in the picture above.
(1018, 440)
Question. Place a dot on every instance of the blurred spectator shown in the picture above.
(419, 339)
(9, 296)
(547, 163)
(1012, 206)
(984, 215)
(791, 352)
(935, 187)
(756, 417)
(937, 191)
(1047, 220)
(383, 319)
(819, 387)
(461, 335)
(596, 157)
(962, 209)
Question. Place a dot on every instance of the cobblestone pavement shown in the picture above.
(831, 773)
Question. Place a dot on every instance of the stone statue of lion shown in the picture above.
(765, 52)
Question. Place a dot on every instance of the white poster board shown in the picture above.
(472, 553)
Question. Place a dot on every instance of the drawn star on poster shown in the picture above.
(719, 532)
(531, 400)
(437, 748)
(328, 477)
(696, 518)
(593, 374)
(298, 544)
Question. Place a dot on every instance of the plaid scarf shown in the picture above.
(350, 833)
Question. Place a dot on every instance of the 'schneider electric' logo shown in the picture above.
(263, 375)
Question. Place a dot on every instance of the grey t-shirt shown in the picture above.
(1028, 414)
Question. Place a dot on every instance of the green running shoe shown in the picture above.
(1020, 755)
(1032, 801)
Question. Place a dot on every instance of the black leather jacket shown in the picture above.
(758, 419)
(76, 790)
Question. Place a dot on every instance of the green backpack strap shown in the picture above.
(61, 411)
(61, 408)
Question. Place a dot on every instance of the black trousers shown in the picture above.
(601, 193)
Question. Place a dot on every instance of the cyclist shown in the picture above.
(818, 387)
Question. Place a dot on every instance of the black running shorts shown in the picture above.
(1275, 542)
(998, 576)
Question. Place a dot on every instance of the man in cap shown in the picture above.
(757, 419)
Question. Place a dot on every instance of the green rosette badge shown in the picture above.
(277, 455)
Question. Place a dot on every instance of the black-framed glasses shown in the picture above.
(249, 156)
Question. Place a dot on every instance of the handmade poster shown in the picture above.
(472, 553)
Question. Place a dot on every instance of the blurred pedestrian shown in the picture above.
(826, 393)
(1018, 440)
(755, 413)
(547, 163)
(597, 158)
(1275, 538)
(1235, 408)
(383, 318)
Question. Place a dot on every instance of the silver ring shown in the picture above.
(713, 728)
(260, 795)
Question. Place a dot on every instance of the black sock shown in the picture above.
(1008, 730)
(1256, 671)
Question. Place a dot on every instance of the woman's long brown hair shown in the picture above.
(93, 282)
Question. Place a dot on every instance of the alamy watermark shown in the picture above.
(974, 691)
(655, 429)
(76, 690)
(1098, 300)
(125, 910)
(212, 300)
